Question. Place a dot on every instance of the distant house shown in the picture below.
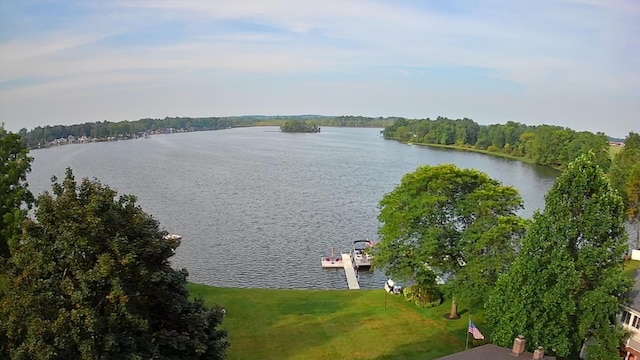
(71, 139)
(493, 352)
(630, 320)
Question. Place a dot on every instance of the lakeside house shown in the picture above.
(493, 352)
(83, 139)
(630, 320)
(629, 317)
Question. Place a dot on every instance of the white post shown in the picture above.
(466, 344)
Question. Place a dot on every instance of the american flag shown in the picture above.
(474, 331)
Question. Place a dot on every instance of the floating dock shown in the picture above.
(349, 271)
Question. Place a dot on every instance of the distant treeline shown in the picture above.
(544, 144)
(41, 136)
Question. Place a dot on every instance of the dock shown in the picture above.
(349, 271)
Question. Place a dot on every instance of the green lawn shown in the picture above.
(338, 324)
(486, 152)
(334, 324)
(630, 268)
(613, 150)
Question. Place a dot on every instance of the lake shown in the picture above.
(259, 208)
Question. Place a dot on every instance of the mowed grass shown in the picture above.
(333, 324)
(631, 267)
(470, 148)
(613, 150)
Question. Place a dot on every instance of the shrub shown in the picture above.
(424, 297)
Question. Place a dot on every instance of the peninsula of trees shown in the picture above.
(547, 145)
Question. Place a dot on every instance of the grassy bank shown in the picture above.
(487, 152)
(613, 150)
(631, 267)
(334, 324)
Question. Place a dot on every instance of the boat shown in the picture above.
(332, 261)
(360, 255)
(172, 237)
(391, 287)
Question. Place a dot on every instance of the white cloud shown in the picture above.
(580, 50)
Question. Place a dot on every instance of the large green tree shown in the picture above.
(566, 284)
(625, 177)
(93, 281)
(298, 126)
(454, 223)
(632, 192)
(15, 198)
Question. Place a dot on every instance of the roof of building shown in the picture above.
(490, 352)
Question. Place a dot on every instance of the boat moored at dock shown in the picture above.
(361, 255)
(358, 258)
(332, 261)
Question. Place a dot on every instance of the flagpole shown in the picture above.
(466, 344)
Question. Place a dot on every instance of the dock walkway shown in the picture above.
(349, 271)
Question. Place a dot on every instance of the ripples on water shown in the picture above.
(259, 208)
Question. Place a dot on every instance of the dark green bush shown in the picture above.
(424, 297)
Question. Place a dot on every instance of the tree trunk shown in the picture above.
(637, 228)
(454, 309)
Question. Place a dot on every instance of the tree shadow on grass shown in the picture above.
(309, 324)
(460, 314)
(432, 347)
(312, 326)
(284, 323)
(368, 330)
(449, 337)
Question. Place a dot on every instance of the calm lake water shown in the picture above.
(259, 208)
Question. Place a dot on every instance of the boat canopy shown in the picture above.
(364, 241)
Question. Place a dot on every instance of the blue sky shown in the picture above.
(574, 63)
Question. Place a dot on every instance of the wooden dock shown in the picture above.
(349, 271)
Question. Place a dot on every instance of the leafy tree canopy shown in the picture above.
(632, 196)
(566, 284)
(93, 280)
(625, 177)
(299, 126)
(449, 222)
(15, 197)
(545, 144)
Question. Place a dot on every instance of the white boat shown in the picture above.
(172, 237)
(360, 255)
(332, 261)
(391, 287)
